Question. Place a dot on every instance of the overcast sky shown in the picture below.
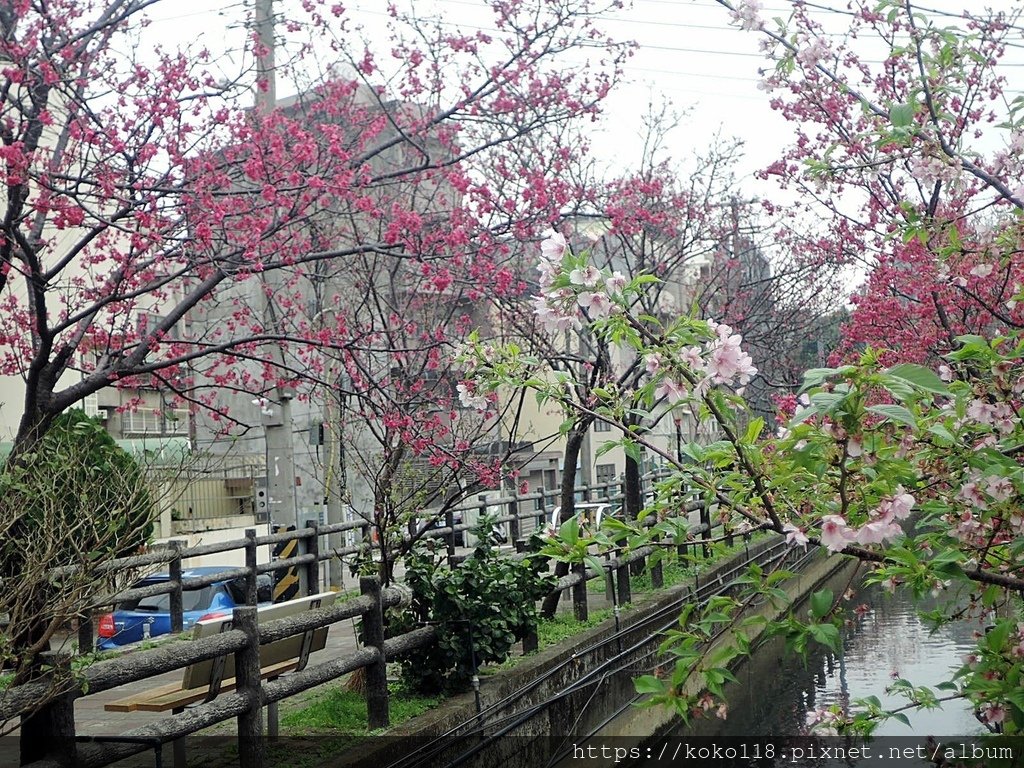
(688, 54)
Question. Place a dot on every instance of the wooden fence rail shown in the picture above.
(244, 639)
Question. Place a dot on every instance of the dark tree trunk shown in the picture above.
(567, 501)
(633, 502)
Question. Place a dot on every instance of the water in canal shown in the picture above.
(778, 691)
(887, 642)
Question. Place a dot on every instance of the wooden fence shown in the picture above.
(243, 641)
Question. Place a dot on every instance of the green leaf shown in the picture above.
(753, 431)
(996, 637)
(827, 635)
(902, 115)
(894, 413)
(814, 376)
(920, 377)
(943, 434)
(632, 449)
(649, 684)
(569, 531)
(826, 401)
(821, 603)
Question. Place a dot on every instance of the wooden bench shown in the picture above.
(204, 680)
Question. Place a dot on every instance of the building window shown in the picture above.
(602, 426)
(604, 474)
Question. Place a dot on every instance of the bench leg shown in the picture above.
(180, 756)
(272, 721)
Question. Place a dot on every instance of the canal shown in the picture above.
(888, 640)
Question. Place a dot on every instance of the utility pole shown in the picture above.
(266, 77)
(279, 427)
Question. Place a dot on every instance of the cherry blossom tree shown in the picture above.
(907, 160)
(913, 469)
(133, 186)
(146, 183)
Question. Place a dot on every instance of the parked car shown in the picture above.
(135, 620)
(589, 515)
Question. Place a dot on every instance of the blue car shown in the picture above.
(138, 619)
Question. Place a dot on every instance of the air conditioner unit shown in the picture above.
(103, 414)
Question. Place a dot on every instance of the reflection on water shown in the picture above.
(778, 690)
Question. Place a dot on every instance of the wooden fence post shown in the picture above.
(251, 590)
(514, 534)
(176, 604)
(705, 520)
(313, 568)
(542, 511)
(376, 673)
(52, 726)
(530, 640)
(86, 641)
(449, 522)
(251, 745)
(657, 570)
(579, 593)
(623, 585)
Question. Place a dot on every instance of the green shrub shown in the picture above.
(77, 479)
(481, 607)
(74, 499)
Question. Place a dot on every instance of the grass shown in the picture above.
(338, 710)
(678, 568)
(563, 626)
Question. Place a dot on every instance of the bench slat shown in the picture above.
(173, 696)
(276, 658)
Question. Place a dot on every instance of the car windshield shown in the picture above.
(264, 589)
(191, 600)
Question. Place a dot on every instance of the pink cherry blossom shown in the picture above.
(615, 283)
(999, 488)
(691, 356)
(469, 398)
(982, 270)
(652, 363)
(795, 536)
(671, 390)
(552, 318)
(553, 247)
(728, 362)
(835, 533)
(588, 276)
(994, 713)
(747, 14)
(548, 272)
(597, 304)
(877, 532)
(971, 493)
(896, 507)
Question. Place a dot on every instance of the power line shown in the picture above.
(208, 11)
